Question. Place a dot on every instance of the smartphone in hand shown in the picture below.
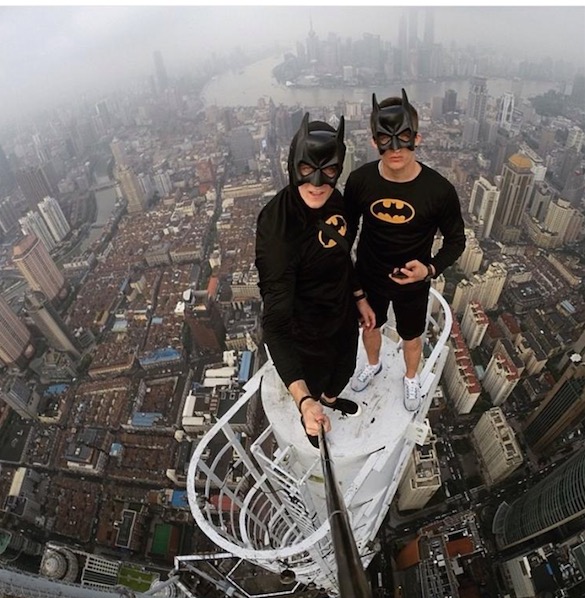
(396, 273)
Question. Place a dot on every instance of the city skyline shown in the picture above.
(59, 53)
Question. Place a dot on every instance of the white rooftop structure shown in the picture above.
(273, 512)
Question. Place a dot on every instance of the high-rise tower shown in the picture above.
(477, 99)
(517, 181)
(8, 214)
(36, 183)
(162, 80)
(20, 397)
(429, 30)
(53, 216)
(506, 111)
(50, 323)
(34, 224)
(38, 268)
(7, 179)
(131, 189)
(561, 410)
(15, 338)
(482, 206)
(556, 500)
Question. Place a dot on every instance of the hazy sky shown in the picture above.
(48, 52)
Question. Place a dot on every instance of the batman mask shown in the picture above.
(394, 122)
(320, 149)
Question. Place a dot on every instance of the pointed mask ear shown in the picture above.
(405, 102)
(304, 130)
(375, 106)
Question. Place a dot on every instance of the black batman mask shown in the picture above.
(394, 122)
(318, 145)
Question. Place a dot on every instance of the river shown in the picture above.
(105, 199)
(245, 87)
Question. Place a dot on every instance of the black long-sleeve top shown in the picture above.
(400, 221)
(305, 277)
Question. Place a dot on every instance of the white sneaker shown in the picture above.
(365, 376)
(412, 393)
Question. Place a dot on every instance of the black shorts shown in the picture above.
(410, 309)
(329, 364)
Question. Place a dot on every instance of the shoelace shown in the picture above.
(366, 372)
(411, 393)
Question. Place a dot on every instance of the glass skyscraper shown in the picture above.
(556, 500)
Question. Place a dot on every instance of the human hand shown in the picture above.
(313, 417)
(412, 271)
(367, 316)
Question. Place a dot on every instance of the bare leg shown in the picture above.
(372, 344)
(412, 353)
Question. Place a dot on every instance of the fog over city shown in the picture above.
(55, 53)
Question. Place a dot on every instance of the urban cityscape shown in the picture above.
(131, 318)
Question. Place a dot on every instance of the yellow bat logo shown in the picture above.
(394, 211)
(337, 221)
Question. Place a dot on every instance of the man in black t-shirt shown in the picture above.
(402, 204)
(307, 281)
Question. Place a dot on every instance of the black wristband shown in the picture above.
(304, 399)
(359, 297)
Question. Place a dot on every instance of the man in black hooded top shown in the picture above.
(307, 281)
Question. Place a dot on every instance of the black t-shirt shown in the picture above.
(305, 276)
(400, 221)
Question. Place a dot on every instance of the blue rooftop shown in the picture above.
(56, 389)
(245, 367)
(160, 356)
(145, 420)
(179, 499)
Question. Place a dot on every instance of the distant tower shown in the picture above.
(482, 206)
(34, 224)
(422, 477)
(7, 178)
(429, 31)
(561, 410)
(517, 180)
(20, 397)
(102, 112)
(496, 445)
(477, 99)
(15, 338)
(36, 183)
(506, 111)
(474, 324)
(8, 214)
(450, 101)
(242, 149)
(13, 543)
(131, 190)
(412, 28)
(556, 500)
(119, 153)
(162, 81)
(485, 288)
(312, 44)
(38, 268)
(574, 187)
(348, 162)
(50, 324)
(459, 375)
(54, 218)
(469, 261)
(503, 372)
(575, 138)
(578, 92)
